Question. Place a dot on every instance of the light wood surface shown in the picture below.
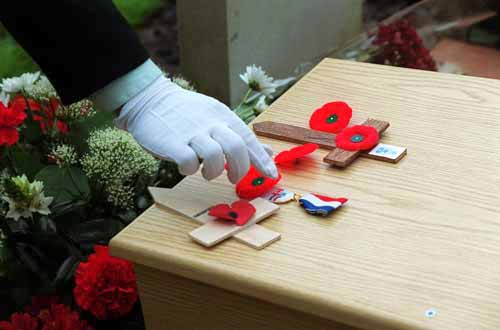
(420, 234)
(174, 303)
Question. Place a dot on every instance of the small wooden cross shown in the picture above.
(181, 199)
(337, 157)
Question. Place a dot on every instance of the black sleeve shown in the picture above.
(81, 45)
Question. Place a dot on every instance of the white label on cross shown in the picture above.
(387, 151)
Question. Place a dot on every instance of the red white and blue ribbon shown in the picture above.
(321, 205)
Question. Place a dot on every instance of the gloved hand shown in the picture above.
(185, 127)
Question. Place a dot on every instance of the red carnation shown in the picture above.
(359, 137)
(20, 321)
(402, 46)
(254, 184)
(60, 317)
(105, 285)
(10, 118)
(293, 154)
(331, 117)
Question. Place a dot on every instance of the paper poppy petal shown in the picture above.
(331, 117)
(239, 212)
(254, 184)
(359, 137)
(295, 153)
(245, 211)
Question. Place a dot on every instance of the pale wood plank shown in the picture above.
(424, 233)
(195, 207)
(215, 231)
(189, 305)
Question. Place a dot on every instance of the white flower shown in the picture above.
(41, 90)
(258, 80)
(261, 104)
(64, 155)
(25, 198)
(19, 84)
(4, 98)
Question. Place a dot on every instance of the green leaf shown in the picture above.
(80, 130)
(246, 111)
(64, 184)
(99, 231)
(28, 163)
(66, 271)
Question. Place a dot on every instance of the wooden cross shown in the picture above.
(213, 231)
(337, 157)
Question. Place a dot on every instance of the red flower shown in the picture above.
(45, 114)
(288, 156)
(62, 127)
(359, 137)
(239, 212)
(254, 184)
(40, 303)
(105, 285)
(60, 317)
(331, 117)
(19, 103)
(20, 321)
(10, 118)
(401, 46)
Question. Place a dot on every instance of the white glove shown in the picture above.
(186, 127)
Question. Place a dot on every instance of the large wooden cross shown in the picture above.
(337, 157)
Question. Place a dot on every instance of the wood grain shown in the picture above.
(343, 158)
(174, 303)
(420, 234)
(300, 135)
(295, 134)
(215, 230)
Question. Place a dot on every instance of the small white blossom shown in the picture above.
(258, 80)
(115, 160)
(41, 90)
(76, 111)
(19, 84)
(28, 198)
(64, 155)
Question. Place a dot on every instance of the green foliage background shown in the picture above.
(16, 61)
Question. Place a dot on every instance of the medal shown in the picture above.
(313, 204)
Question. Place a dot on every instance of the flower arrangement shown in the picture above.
(402, 46)
(69, 182)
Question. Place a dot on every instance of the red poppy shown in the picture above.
(288, 156)
(20, 321)
(331, 117)
(239, 212)
(254, 184)
(105, 285)
(359, 137)
(10, 118)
